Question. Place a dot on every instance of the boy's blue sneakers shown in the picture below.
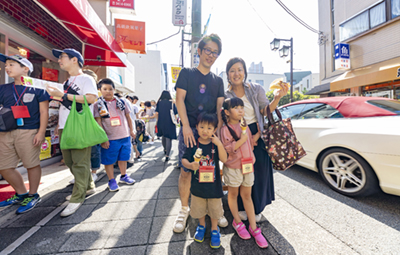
(215, 239)
(29, 203)
(112, 185)
(199, 235)
(126, 179)
(16, 199)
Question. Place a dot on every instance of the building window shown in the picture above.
(395, 8)
(368, 19)
(261, 82)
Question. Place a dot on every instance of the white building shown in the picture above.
(264, 79)
(149, 77)
(308, 82)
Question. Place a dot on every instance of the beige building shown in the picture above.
(372, 30)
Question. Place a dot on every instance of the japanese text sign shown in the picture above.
(130, 35)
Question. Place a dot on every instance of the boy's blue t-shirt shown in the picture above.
(31, 98)
(205, 190)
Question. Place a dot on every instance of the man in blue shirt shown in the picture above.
(30, 108)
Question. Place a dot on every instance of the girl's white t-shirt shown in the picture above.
(83, 84)
(249, 114)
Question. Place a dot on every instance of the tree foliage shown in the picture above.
(286, 99)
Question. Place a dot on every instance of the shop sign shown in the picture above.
(398, 73)
(195, 55)
(130, 35)
(179, 12)
(342, 56)
(114, 74)
(49, 74)
(122, 6)
(175, 70)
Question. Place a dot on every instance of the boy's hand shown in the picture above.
(38, 139)
(105, 145)
(215, 140)
(195, 166)
(133, 135)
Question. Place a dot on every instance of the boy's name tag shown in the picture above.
(115, 121)
(206, 174)
(247, 166)
(20, 112)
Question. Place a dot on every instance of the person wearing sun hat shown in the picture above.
(79, 84)
(23, 140)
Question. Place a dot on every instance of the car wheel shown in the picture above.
(347, 173)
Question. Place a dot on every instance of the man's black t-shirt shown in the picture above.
(205, 190)
(202, 92)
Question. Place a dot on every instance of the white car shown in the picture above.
(353, 142)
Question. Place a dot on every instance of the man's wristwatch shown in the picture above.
(65, 97)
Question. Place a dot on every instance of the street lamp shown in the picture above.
(284, 52)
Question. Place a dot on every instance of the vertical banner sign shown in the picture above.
(195, 55)
(130, 36)
(342, 56)
(175, 70)
(179, 12)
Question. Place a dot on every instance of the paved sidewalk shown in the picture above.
(135, 220)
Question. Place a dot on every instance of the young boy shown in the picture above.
(112, 114)
(206, 196)
(24, 142)
(78, 161)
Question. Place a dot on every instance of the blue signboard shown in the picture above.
(342, 50)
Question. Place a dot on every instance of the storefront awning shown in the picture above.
(78, 16)
(386, 71)
(317, 90)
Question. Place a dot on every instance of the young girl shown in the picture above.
(206, 186)
(112, 114)
(238, 169)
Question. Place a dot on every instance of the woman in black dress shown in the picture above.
(255, 103)
(166, 128)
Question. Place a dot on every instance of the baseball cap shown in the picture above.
(19, 59)
(71, 52)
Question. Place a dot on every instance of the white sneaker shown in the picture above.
(94, 177)
(151, 142)
(180, 221)
(70, 209)
(243, 215)
(88, 193)
(223, 222)
(72, 181)
(258, 217)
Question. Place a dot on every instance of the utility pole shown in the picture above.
(196, 25)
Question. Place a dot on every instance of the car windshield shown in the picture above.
(389, 105)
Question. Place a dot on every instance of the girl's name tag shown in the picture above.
(247, 166)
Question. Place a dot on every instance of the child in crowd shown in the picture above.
(151, 120)
(206, 185)
(112, 114)
(30, 108)
(141, 136)
(238, 170)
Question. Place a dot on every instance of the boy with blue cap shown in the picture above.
(22, 140)
(79, 84)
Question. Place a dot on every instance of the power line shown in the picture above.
(297, 18)
(261, 18)
(166, 37)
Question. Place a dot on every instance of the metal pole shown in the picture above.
(196, 23)
(182, 49)
(291, 69)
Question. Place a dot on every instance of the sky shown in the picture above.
(242, 26)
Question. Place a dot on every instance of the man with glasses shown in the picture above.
(197, 90)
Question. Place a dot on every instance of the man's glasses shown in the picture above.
(208, 52)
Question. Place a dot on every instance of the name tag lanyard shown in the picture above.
(206, 173)
(115, 121)
(247, 163)
(19, 111)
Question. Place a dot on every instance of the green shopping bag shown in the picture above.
(81, 129)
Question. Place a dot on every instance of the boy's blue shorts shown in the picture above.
(119, 150)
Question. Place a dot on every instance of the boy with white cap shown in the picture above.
(30, 109)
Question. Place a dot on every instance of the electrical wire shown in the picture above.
(297, 18)
(166, 37)
(261, 18)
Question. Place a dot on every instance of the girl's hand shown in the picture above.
(244, 137)
(215, 140)
(105, 145)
